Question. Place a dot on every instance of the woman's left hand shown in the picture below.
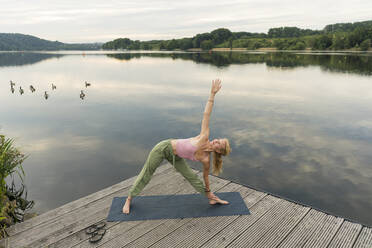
(216, 86)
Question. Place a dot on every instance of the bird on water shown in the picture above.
(82, 95)
(32, 89)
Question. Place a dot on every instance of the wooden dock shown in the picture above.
(273, 222)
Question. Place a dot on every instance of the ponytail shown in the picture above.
(217, 163)
(217, 158)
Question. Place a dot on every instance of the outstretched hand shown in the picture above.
(216, 86)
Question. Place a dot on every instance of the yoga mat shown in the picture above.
(176, 206)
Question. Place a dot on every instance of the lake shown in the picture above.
(299, 124)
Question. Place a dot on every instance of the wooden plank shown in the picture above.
(52, 214)
(273, 222)
(92, 213)
(79, 237)
(171, 225)
(118, 238)
(194, 232)
(173, 182)
(364, 239)
(323, 236)
(271, 219)
(303, 231)
(64, 224)
(202, 233)
(202, 229)
(275, 235)
(346, 235)
(158, 233)
(239, 225)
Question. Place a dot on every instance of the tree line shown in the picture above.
(21, 42)
(356, 36)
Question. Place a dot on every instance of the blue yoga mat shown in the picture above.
(176, 206)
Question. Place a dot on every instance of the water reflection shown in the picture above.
(349, 63)
(24, 58)
(334, 62)
(298, 132)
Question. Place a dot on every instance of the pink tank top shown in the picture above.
(185, 149)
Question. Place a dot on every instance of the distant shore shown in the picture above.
(224, 49)
(273, 49)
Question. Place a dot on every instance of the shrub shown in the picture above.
(365, 45)
(12, 205)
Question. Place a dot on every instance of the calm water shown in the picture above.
(300, 125)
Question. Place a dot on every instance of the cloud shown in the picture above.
(90, 21)
(77, 143)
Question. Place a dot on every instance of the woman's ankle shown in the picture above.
(210, 195)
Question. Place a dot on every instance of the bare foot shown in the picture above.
(126, 207)
(213, 199)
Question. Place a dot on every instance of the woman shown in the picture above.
(196, 148)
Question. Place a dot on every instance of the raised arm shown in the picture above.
(216, 86)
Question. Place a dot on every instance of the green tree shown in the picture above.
(231, 42)
(338, 42)
(207, 44)
(287, 32)
(281, 44)
(185, 43)
(221, 35)
(338, 27)
(199, 38)
(173, 44)
(357, 36)
(346, 27)
(247, 44)
(145, 46)
(256, 45)
(162, 45)
(365, 45)
(135, 45)
(299, 45)
(323, 42)
(122, 43)
(347, 42)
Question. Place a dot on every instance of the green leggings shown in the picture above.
(164, 150)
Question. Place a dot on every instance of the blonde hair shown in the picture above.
(217, 158)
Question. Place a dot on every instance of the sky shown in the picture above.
(72, 21)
